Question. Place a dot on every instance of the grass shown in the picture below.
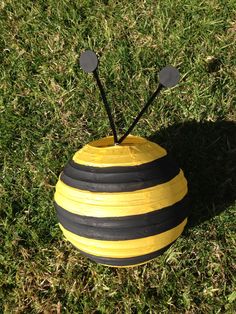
(49, 108)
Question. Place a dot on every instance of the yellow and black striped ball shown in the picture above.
(122, 205)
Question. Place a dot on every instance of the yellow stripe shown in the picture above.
(126, 248)
(102, 204)
(133, 151)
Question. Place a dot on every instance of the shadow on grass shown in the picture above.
(206, 151)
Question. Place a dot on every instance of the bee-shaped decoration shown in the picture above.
(122, 202)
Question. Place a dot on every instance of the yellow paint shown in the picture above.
(133, 151)
(125, 248)
(114, 204)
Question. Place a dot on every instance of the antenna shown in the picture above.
(168, 77)
(89, 63)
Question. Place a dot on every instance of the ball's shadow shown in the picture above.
(206, 151)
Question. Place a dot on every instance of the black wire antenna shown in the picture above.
(89, 63)
(168, 77)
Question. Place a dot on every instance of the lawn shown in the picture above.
(49, 108)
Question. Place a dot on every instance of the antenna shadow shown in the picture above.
(206, 151)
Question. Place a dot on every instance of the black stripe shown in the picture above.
(125, 261)
(119, 179)
(124, 228)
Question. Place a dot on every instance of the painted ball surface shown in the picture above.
(121, 205)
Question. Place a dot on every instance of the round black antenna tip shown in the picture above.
(88, 61)
(169, 76)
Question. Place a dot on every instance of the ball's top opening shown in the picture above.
(134, 150)
(108, 142)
